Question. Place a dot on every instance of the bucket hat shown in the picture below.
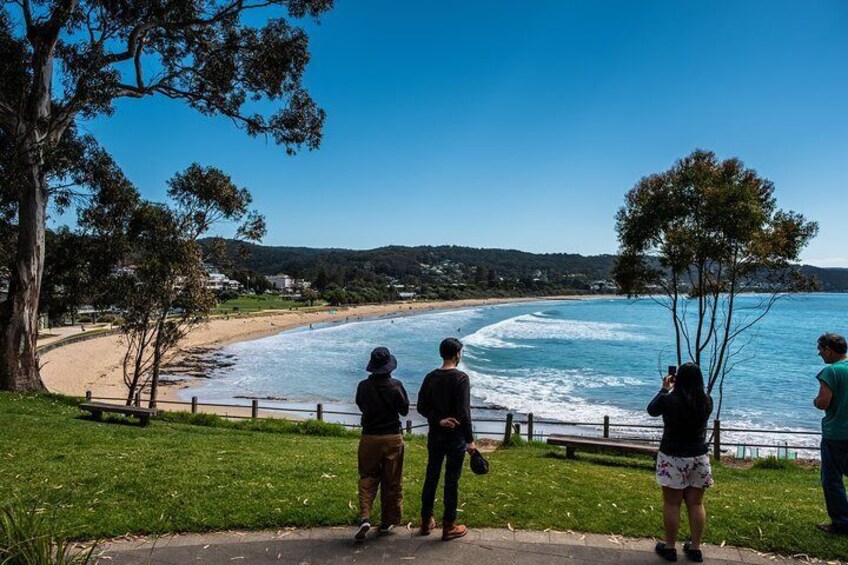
(479, 464)
(382, 362)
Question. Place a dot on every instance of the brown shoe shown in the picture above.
(428, 527)
(833, 529)
(453, 531)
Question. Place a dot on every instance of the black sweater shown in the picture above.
(382, 400)
(684, 434)
(446, 393)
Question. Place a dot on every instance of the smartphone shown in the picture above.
(672, 370)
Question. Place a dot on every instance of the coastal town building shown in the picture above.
(218, 281)
(282, 282)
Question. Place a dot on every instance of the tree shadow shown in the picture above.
(606, 460)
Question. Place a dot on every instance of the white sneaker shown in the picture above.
(364, 526)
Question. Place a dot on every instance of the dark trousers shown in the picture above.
(450, 450)
(381, 467)
(834, 465)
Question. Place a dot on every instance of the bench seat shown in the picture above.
(98, 408)
(573, 443)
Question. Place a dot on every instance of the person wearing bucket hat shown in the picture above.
(382, 400)
(445, 400)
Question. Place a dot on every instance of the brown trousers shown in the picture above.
(381, 466)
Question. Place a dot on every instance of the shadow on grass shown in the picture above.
(112, 419)
(605, 460)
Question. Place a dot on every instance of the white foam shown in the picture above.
(551, 393)
(508, 334)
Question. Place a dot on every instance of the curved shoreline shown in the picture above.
(95, 364)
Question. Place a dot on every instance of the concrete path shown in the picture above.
(336, 545)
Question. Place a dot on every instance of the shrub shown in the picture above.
(26, 538)
(773, 463)
(272, 425)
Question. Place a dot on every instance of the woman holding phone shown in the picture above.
(683, 462)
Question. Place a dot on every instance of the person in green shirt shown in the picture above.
(833, 399)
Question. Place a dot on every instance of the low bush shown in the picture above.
(27, 538)
(773, 463)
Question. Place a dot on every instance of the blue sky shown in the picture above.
(522, 125)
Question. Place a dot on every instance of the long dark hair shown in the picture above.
(689, 384)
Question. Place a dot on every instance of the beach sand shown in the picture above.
(95, 365)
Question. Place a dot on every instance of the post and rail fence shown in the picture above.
(537, 429)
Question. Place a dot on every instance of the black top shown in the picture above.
(446, 393)
(684, 435)
(382, 400)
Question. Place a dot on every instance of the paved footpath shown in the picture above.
(336, 545)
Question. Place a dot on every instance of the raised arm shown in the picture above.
(655, 407)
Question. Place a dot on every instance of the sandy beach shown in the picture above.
(95, 364)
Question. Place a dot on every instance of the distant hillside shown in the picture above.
(398, 261)
(450, 264)
(832, 279)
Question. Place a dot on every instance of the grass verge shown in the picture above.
(101, 479)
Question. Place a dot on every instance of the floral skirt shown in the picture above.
(684, 472)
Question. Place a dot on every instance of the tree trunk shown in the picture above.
(157, 361)
(19, 331)
(18, 358)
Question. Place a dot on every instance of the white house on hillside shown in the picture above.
(282, 282)
(218, 281)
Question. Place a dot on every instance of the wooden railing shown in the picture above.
(512, 424)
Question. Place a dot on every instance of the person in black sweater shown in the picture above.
(683, 462)
(382, 401)
(445, 400)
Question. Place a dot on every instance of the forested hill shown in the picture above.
(397, 261)
(411, 265)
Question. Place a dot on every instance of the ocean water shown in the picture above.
(565, 360)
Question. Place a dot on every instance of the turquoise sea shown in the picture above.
(575, 360)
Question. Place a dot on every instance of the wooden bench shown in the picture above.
(98, 408)
(573, 443)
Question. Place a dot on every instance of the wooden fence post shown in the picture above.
(717, 439)
(254, 409)
(138, 398)
(409, 427)
(194, 405)
(88, 396)
(508, 429)
(606, 427)
(319, 413)
(530, 426)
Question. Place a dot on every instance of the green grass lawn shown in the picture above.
(107, 479)
(257, 303)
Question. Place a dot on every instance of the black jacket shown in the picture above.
(446, 393)
(684, 434)
(382, 399)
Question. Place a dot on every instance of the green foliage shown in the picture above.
(775, 463)
(27, 537)
(306, 427)
(699, 234)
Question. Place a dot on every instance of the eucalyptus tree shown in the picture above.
(67, 60)
(163, 292)
(694, 238)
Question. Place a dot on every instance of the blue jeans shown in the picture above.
(440, 449)
(834, 465)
